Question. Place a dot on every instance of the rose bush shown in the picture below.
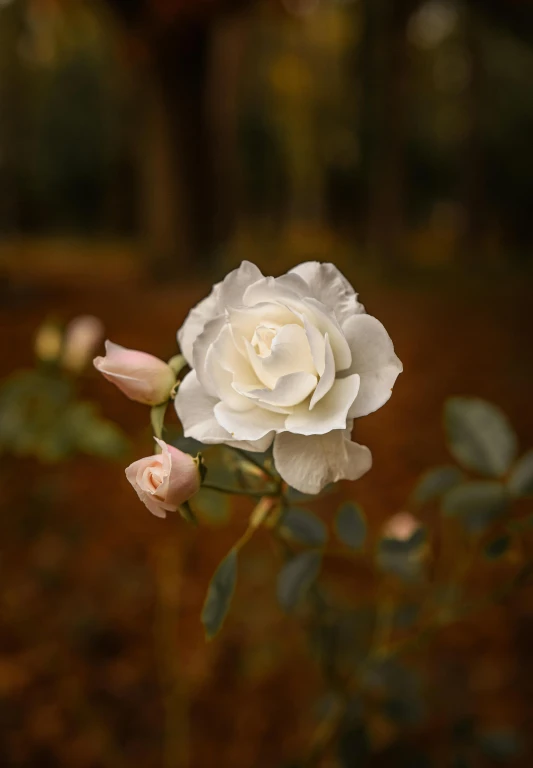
(165, 481)
(292, 361)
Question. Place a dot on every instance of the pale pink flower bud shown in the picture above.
(165, 481)
(82, 336)
(401, 526)
(142, 377)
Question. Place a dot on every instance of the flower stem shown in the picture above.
(240, 491)
(251, 460)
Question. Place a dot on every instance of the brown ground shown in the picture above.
(102, 658)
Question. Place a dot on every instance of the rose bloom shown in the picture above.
(165, 481)
(291, 361)
(140, 376)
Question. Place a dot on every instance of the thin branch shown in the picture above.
(251, 460)
(240, 491)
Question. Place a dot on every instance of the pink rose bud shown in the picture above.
(165, 481)
(141, 377)
(401, 526)
(82, 336)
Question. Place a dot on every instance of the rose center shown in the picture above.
(156, 478)
(262, 339)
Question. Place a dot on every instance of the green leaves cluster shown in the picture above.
(297, 527)
(41, 417)
(478, 492)
(483, 442)
(302, 568)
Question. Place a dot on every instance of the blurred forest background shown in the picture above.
(190, 126)
(146, 147)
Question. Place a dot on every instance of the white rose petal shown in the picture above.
(328, 376)
(196, 410)
(374, 360)
(251, 425)
(329, 286)
(195, 322)
(291, 360)
(328, 414)
(310, 463)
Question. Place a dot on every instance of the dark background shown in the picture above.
(146, 147)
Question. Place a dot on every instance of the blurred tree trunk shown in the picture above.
(474, 198)
(198, 76)
(176, 187)
(228, 42)
(161, 217)
(383, 128)
(11, 123)
(188, 146)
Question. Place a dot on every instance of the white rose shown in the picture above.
(293, 360)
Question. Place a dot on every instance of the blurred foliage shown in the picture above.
(376, 648)
(40, 414)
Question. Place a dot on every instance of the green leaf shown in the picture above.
(478, 504)
(303, 526)
(480, 436)
(435, 482)
(296, 577)
(220, 594)
(157, 418)
(498, 547)
(350, 525)
(521, 480)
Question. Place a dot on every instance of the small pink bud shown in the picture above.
(140, 376)
(82, 336)
(401, 526)
(165, 481)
